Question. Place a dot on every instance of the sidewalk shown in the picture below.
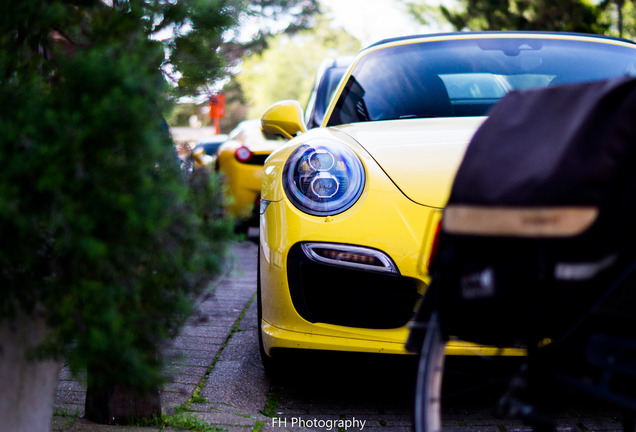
(208, 356)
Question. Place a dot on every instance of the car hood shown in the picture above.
(421, 156)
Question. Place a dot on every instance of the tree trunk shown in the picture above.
(27, 388)
(115, 404)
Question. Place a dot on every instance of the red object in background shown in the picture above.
(217, 110)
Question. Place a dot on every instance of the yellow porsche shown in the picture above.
(349, 209)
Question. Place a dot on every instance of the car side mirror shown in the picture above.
(284, 118)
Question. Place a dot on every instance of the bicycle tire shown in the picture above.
(428, 387)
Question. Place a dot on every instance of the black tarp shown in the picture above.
(563, 147)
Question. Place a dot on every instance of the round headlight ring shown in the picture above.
(321, 160)
(325, 185)
(323, 178)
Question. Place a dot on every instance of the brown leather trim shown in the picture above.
(520, 222)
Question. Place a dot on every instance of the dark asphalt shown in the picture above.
(217, 379)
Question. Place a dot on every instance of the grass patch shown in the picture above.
(198, 399)
(182, 408)
(273, 402)
(184, 421)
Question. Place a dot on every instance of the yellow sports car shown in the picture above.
(240, 161)
(346, 207)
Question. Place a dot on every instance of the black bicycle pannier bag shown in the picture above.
(541, 215)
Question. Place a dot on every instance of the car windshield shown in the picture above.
(467, 77)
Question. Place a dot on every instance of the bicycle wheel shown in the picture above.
(428, 387)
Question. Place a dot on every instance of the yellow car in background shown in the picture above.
(349, 209)
(240, 161)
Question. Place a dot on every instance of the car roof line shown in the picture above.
(486, 32)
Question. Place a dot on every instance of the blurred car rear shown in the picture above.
(240, 161)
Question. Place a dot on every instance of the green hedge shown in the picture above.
(97, 222)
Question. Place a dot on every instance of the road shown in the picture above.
(217, 377)
(379, 391)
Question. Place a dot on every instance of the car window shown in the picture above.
(322, 94)
(467, 77)
(334, 75)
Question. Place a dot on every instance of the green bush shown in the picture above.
(97, 223)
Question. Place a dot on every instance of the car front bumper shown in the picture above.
(309, 305)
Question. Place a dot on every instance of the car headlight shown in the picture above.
(323, 178)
